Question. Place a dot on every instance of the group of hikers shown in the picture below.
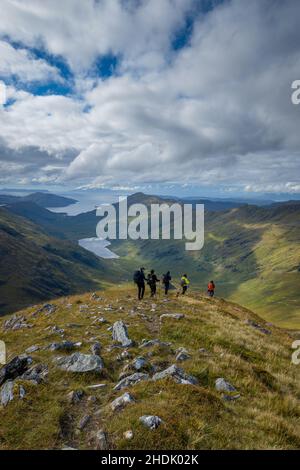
(151, 279)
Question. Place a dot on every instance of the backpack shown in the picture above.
(137, 276)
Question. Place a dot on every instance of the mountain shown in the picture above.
(42, 199)
(240, 390)
(36, 266)
(251, 252)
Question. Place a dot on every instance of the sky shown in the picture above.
(132, 94)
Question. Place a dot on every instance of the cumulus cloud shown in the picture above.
(215, 112)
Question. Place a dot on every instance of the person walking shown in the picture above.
(151, 281)
(211, 288)
(184, 283)
(166, 281)
(139, 279)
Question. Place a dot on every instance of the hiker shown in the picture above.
(211, 288)
(184, 283)
(139, 279)
(151, 281)
(166, 281)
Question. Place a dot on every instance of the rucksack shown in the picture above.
(136, 276)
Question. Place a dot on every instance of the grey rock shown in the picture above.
(231, 397)
(96, 348)
(122, 401)
(16, 323)
(32, 349)
(78, 362)
(131, 380)
(140, 363)
(258, 327)
(6, 392)
(22, 392)
(153, 342)
(83, 422)
(64, 346)
(174, 316)
(83, 308)
(75, 396)
(182, 354)
(151, 422)
(97, 386)
(120, 334)
(101, 440)
(16, 367)
(223, 386)
(48, 309)
(36, 374)
(176, 374)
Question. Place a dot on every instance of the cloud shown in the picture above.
(215, 112)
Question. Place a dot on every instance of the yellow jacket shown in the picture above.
(185, 281)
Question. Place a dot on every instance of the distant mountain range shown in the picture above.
(40, 198)
(251, 252)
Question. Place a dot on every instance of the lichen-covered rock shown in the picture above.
(177, 374)
(122, 401)
(101, 440)
(120, 334)
(36, 374)
(78, 362)
(182, 354)
(223, 386)
(16, 323)
(96, 348)
(173, 316)
(16, 367)
(151, 422)
(131, 380)
(64, 346)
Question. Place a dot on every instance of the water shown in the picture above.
(98, 247)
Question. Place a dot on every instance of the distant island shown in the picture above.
(40, 198)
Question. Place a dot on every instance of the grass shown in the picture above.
(194, 417)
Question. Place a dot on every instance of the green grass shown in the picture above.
(195, 417)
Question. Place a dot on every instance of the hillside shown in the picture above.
(42, 199)
(35, 266)
(256, 406)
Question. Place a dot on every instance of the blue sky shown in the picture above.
(150, 94)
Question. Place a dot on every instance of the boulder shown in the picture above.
(223, 386)
(176, 374)
(78, 362)
(151, 422)
(120, 334)
(101, 440)
(153, 342)
(131, 380)
(48, 309)
(36, 374)
(8, 390)
(32, 349)
(182, 354)
(16, 367)
(122, 401)
(64, 346)
(16, 323)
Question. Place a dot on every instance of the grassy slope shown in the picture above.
(195, 417)
(35, 266)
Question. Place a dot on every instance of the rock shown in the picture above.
(121, 401)
(97, 386)
(128, 435)
(68, 448)
(124, 355)
(48, 309)
(83, 422)
(36, 374)
(151, 422)
(140, 363)
(16, 367)
(258, 327)
(174, 316)
(64, 346)
(32, 349)
(177, 374)
(204, 352)
(120, 334)
(231, 397)
(99, 320)
(83, 308)
(8, 390)
(78, 362)
(92, 399)
(55, 329)
(95, 296)
(101, 440)
(182, 354)
(131, 380)
(153, 342)
(75, 396)
(96, 348)
(16, 323)
(223, 386)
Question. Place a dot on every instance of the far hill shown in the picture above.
(42, 199)
(36, 266)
